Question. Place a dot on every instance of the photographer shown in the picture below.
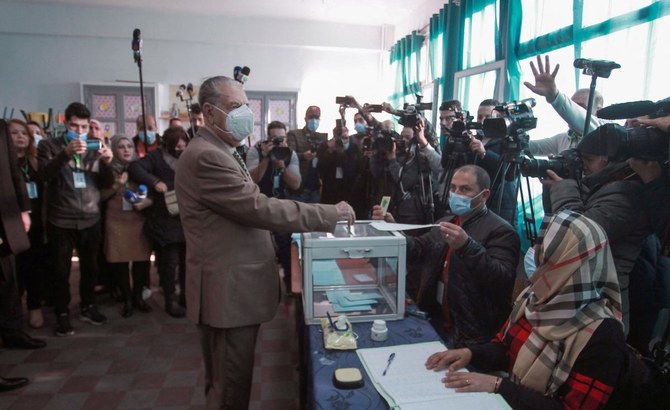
(305, 142)
(488, 154)
(608, 195)
(339, 167)
(412, 160)
(275, 168)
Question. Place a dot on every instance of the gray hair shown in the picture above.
(210, 90)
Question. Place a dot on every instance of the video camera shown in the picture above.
(382, 144)
(567, 165)
(411, 114)
(513, 125)
(647, 143)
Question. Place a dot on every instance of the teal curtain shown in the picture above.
(512, 15)
(452, 48)
(406, 55)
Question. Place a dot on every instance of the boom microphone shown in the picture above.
(136, 45)
(595, 64)
(627, 110)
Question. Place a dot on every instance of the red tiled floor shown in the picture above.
(146, 361)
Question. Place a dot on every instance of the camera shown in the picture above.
(314, 143)
(647, 143)
(517, 118)
(346, 101)
(412, 113)
(567, 164)
(93, 145)
(383, 143)
(374, 107)
(279, 153)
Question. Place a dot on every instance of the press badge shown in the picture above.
(79, 179)
(125, 205)
(275, 183)
(315, 162)
(338, 173)
(31, 187)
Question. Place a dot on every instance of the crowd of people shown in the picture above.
(184, 194)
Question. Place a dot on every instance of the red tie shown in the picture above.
(445, 279)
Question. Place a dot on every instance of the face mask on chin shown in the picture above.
(239, 122)
(71, 135)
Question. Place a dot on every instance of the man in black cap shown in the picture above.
(609, 194)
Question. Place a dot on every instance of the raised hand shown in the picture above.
(545, 79)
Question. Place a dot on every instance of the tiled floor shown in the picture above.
(147, 361)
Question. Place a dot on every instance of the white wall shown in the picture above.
(50, 49)
(419, 18)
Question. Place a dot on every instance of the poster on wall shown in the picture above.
(178, 95)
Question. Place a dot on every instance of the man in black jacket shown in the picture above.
(468, 264)
(75, 172)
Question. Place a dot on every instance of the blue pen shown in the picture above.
(391, 357)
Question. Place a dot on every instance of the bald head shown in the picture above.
(581, 98)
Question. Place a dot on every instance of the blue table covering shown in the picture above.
(321, 364)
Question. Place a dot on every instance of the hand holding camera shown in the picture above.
(76, 146)
(105, 153)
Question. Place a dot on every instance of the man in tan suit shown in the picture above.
(232, 278)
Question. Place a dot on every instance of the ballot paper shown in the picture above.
(408, 385)
(386, 226)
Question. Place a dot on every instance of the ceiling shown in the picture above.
(367, 12)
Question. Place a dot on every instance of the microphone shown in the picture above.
(136, 45)
(598, 68)
(595, 64)
(241, 74)
(627, 110)
(189, 88)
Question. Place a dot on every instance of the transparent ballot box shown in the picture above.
(360, 273)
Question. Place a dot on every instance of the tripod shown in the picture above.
(509, 170)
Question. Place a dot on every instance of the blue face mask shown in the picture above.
(360, 127)
(313, 124)
(346, 145)
(150, 137)
(71, 135)
(460, 204)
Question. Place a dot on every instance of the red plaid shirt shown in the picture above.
(580, 391)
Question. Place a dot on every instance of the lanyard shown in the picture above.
(77, 157)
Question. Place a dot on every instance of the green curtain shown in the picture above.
(452, 59)
(406, 54)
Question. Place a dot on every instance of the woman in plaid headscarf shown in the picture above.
(563, 344)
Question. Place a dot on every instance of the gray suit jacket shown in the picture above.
(231, 275)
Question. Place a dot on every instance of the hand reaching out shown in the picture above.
(545, 79)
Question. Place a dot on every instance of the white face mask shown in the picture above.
(239, 122)
(37, 137)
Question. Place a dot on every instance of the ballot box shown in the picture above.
(358, 271)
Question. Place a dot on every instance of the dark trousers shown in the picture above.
(32, 268)
(11, 317)
(170, 259)
(229, 365)
(61, 243)
(140, 273)
(283, 242)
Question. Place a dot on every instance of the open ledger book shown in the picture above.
(409, 385)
